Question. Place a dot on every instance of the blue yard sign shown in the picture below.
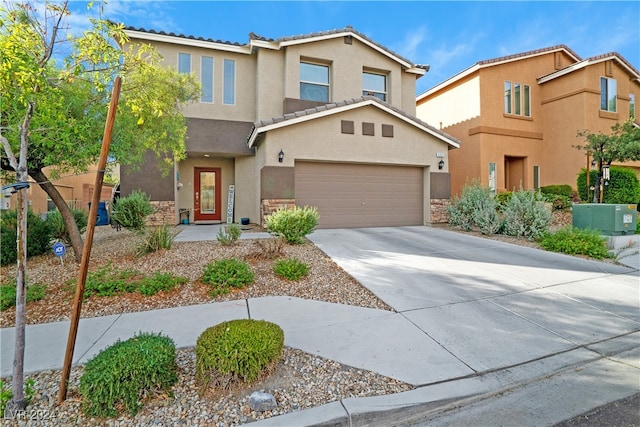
(59, 249)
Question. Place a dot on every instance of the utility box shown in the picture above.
(609, 219)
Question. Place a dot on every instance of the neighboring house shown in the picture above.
(518, 116)
(77, 191)
(324, 119)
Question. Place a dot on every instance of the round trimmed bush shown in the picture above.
(240, 350)
(120, 375)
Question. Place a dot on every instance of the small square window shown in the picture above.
(348, 127)
(387, 131)
(368, 129)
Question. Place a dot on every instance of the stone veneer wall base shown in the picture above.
(269, 206)
(439, 214)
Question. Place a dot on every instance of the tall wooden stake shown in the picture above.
(86, 251)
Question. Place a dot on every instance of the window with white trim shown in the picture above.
(608, 94)
(517, 99)
(374, 84)
(206, 79)
(314, 82)
(184, 62)
(229, 82)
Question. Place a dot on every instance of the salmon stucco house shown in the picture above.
(325, 119)
(518, 116)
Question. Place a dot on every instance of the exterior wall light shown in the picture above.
(605, 173)
(280, 155)
(441, 164)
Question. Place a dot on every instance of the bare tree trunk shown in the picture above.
(67, 216)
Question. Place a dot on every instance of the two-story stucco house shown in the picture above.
(324, 119)
(518, 116)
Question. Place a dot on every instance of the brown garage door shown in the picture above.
(355, 195)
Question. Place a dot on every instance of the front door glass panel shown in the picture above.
(208, 192)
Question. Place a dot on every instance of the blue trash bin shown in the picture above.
(103, 213)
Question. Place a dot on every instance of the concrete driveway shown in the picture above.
(489, 304)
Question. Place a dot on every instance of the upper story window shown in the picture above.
(608, 94)
(206, 79)
(229, 82)
(184, 62)
(517, 99)
(374, 85)
(632, 106)
(314, 82)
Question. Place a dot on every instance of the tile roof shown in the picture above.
(353, 101)
(171, 34)
(617, 56)
(530, 53)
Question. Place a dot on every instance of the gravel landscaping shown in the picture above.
(301, 380)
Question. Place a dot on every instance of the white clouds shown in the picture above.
(412, 43)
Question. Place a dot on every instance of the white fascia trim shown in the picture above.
(264, 44)
(337, 110)
(139, 35)
(419, 71)
(449, 81)
(562, 72)
(342, 34)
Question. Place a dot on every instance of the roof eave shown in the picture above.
(164, 38)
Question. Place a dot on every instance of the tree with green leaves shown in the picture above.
(66, 100)
(52, 115)
(621, 145)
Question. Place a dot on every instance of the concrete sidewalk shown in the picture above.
(474, 318)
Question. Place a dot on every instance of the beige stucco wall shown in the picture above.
(347, 62)
(245, 106)
(247, 189)
(460, 103)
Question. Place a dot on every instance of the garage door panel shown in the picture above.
(356, 195)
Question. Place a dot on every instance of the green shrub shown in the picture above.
(221, 275)
(230, 234)
(575, 241)
(462, 211)
(159, 282)
(502, 199)
(126, 372)
(8, 292)
(563, 190)
(109, 281)
(293, 224)
(526, 215)
(155, 239)
(237, 351)
(291, 268)
(38, 236)
(623, 187)
(59, 230)
(131, 211)
(6, 394)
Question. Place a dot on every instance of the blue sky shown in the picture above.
(449, 36)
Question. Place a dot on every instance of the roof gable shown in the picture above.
(612, 56)
(338, 107)
(498, 61)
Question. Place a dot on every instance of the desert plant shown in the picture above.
(155, 239)
(221, 275)
(237, 351)
(463, 209)
(159, 281)
(38, 236)
(291, 268)
(487, 218)
(293, 224)
(230, 234)
(125, 372)
(35, 292)
(59, 230)
(131, 211)
(268, 248)
(576, 241)
(526, 215)
(502, 199)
